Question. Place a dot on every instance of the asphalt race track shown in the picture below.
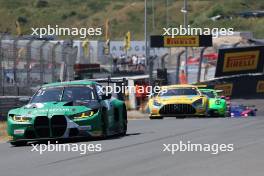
(141, 151)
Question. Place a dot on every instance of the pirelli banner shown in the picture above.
(234, 61)
(158, 41)
(260, 86)
(227, 88)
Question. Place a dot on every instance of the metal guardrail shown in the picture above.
(29, 63)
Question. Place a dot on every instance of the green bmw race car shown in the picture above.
(216, 105)
(67, 110)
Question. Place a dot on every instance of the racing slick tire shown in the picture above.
(104, 124)
(124, 129)
(155, 117)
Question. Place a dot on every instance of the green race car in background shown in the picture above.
(67, 110)
(216, 105)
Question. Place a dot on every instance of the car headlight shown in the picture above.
(83, 115)
(156, 103)
(198, 103)
(18, 118)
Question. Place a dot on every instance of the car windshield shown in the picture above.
(179, 92)
(74, 93)
(209, 94)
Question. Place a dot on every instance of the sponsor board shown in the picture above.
(227, 88)
(260, 87)
(181, 41)
(240, 61)
(244, 60)
(116, 49)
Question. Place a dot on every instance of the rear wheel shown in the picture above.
(104, 124)
(18, 143)
(124, 130)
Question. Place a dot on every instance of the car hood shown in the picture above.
(53, 108)
(178, 99)
(212, 102)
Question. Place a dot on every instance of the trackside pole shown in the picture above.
(200, 64)
(178, 66)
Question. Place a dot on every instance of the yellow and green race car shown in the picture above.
(178, 101)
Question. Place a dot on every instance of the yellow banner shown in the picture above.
(181, 41)
(127, 41)
(260, 87)
(227, 88)
(241, 61)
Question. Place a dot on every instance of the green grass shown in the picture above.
(126, 15)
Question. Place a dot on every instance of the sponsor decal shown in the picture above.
(181, 41)
(227, 89)
(19, 131)
(35, 105)
(154, 111)
(53, 110)
(260, 87)
(241, 61)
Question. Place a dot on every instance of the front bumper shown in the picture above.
(177, 110)
(28, 131)
(216, 112)
(55, 139)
